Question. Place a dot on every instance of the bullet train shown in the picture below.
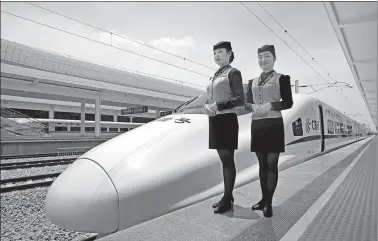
(165, 165)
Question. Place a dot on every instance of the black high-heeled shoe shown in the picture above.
(258, 206)
(223, 206)
(216, 204)
(268, 210)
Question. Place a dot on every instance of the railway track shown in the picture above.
(16, 184)
(7, 157)
(29, 164)
(22, 182)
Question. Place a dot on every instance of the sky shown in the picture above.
(189, 30)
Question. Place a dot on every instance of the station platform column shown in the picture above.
(82, 118)
(51, 116)
(98, 116)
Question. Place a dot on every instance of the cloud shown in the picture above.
(171, 45)
(174, 45)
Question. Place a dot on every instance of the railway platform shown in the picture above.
(331, 197)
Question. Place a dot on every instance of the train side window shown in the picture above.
(123, 129)
(297, 127)
(330, 127)
(104, 129)
(112, 129)
(338, 128)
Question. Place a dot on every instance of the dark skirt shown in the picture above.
(223, 131)
(268, 135)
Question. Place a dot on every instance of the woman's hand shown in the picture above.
(248, 107)
(210, 110)
(258, 111)
(214, 107)
(266, 107)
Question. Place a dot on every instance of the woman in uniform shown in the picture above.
(225, 93)
(264, 96)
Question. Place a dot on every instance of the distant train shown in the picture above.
(166, 165)
(58, 127)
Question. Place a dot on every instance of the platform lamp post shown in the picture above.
(297, 86)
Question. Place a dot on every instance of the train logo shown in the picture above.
(315, 125)
(311, 124)
(308, 125)
(182, 120)
(164, 119)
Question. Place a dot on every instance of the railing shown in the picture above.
(70, 151)
(24, 121)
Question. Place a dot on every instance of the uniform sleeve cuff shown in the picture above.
(220, 106)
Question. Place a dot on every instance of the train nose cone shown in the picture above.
(83, 199)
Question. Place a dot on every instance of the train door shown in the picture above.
(321, 127)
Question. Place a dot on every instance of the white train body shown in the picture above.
(166, 165)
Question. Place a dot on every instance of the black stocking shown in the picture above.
(271, 175)
(262, 173)
(229, 172)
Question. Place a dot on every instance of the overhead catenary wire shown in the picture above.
(287, 32)
(118, 35)
(286, 43)
(125, 50)
(346, 97)
(184, 68)
(119, 68)
(346, 85)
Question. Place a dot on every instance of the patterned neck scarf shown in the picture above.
(219, 71)
(264, 77)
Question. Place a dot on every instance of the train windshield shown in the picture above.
(193, 106)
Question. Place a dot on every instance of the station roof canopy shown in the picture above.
(35, 73)
(355, 25)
